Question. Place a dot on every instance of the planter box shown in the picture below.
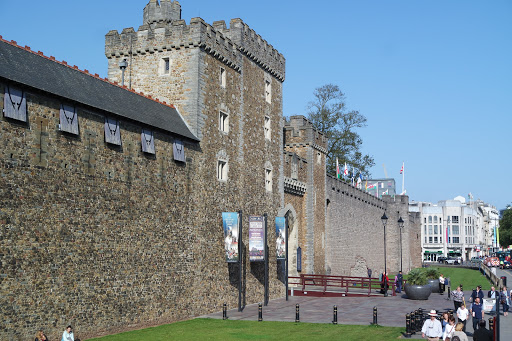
(435, 285)
(418, 292)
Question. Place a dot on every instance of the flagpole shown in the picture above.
(403, 177)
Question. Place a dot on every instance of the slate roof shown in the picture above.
(35, 70)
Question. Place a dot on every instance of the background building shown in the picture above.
(455, 228)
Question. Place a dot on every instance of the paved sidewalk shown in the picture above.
(391, 310)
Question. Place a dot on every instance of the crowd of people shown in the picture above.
(448, 329)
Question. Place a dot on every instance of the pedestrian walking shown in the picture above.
(399, 279)
(432, 328)
(449, 329)
(458, 297)
(462, 316)
(477, 313)
(505, 301)
(477, 293)
(482, 334)
(459, 333)
(441, 284)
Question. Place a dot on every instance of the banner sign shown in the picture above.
(489, 304)
(230, 226)
(256, 238)
(280, 237)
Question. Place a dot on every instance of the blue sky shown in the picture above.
(433, 78)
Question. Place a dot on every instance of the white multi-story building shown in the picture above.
(455, 228)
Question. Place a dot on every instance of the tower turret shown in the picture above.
(165, 11)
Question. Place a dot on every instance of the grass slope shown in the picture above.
(212, 329)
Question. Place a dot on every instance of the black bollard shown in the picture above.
(225, 312)
(418, 321)
(407, 326)
(448, 293)
(491, 324)
(297, 316)
(260, 313)
(374, 315)
(412, 325)
(335, 315)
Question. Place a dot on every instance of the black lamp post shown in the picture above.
(401, 226)
(384, 220)
(122, 65)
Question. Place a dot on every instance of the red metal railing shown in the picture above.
(342, 285)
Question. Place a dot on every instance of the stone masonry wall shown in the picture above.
(108, 238)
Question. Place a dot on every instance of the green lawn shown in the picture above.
(467, 277)
(211, 329)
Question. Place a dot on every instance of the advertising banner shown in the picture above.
(256, 239)
(280, 237)
(489, 304)
(230, 226)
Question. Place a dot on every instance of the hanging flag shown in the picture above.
(366, 185)
(402, 170)
(470, 196)
(345, 172)
(359, 180)
(338, 173)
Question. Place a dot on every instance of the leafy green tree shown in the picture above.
(328, 114)
(506, 227)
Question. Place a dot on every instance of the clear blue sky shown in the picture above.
(434, 78)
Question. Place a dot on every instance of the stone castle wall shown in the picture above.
(108, 238)
(355, 238)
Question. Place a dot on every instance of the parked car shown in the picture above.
(451, 260)
(505, 265)
(441, 259)
(476, 260)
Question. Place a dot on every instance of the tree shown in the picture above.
(329, 115)
(506, 227)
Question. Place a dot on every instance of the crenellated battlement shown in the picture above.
(299, 130)
(164, 30)
(165, 11)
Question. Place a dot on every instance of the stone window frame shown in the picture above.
(267, 131)
(222, 77)
(223, 121)
(267, 87)
(164, 66)
(268, 91)
(268, 177)
(222, 166)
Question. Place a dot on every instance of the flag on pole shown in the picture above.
(402, 170)
(338, 175)
(345, 172)
(359, 180)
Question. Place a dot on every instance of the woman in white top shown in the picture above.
(449, 329)
(462, 315)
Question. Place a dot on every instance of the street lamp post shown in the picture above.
(401, 226)
(384, 220)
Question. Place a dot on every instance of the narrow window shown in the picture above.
(167, 65)
(222, 170)
(268, 180)
(267, 128)
(268, 92)
(222, 77)
(223, 122)
(164, 67)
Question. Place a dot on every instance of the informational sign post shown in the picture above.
(231, 235)
(280, 237)
(256, 239)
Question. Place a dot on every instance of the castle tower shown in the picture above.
(301, 138)
(165, 11)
